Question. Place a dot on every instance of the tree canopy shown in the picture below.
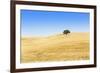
(66, 32)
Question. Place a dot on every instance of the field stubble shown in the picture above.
(74, 46)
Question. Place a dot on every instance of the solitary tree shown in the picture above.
(66, 32)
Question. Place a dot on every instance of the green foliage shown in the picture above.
(66, 32)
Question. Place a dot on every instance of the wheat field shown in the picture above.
(59, 47)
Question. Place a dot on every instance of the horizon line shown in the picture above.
(49, 35)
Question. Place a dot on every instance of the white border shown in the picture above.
(51, 64)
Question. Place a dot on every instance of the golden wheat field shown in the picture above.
(59, 47)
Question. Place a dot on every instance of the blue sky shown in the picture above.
(44, 23)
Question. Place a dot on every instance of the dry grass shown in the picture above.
(74, 46)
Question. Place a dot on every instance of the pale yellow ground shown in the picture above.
(74, 46)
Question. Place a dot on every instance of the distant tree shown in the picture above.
(66, 32)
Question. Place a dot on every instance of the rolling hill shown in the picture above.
(59, 47)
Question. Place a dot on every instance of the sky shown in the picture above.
(45, 23)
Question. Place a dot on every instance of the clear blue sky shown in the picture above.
(43, 23)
